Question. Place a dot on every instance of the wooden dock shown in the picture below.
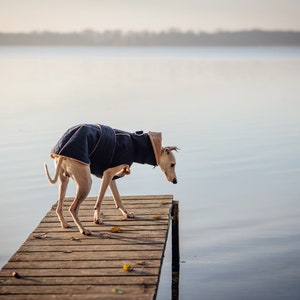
(56, 263)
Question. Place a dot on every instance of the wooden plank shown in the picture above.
(109, 271)
(97, 264)
(82, 291)
(44, 283)
(77, 248)
(85, 255)
(62, 263)
(108, 241)
(138, 291)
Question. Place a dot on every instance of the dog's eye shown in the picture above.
(172, 165)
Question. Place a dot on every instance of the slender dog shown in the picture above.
(106, 153)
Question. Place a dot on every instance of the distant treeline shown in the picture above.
(149, 38)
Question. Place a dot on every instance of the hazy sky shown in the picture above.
(208, 15)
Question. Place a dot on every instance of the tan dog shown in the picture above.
(94, 141)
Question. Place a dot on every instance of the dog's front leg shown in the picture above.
(118, 200)
(108, 175)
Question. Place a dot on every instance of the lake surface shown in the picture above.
(235, 114)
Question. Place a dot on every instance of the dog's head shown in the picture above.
(164, 156)
(167, 163)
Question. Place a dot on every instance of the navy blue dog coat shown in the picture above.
(102, 147)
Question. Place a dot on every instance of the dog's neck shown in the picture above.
(143, 150)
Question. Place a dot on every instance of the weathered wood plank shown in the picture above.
(85, 289)
(139, 291)
(107, 227)
(109, 271)
(101, 295)
(99, 248)
(80, 280)
(56, 241)
(82, 264)
(61, 263)
(74, 234)
(86, 255)
(143, 220)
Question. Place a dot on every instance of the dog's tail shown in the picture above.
(56, 171)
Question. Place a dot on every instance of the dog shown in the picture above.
(106, 153)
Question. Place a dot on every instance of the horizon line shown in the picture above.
(169, 30)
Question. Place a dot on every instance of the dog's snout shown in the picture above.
(174, 181)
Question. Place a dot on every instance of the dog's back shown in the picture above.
(102, 147)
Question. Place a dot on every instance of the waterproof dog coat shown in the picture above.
(102, 147)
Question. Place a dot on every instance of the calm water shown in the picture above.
(234, 112)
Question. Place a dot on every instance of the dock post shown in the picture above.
(175, 250)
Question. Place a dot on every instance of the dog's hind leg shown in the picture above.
(74, 209)
(82, 178)
(108, 175)
(61, 196)
(118, 200)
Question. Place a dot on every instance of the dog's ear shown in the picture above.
(170, 148)
(156, 141)
(165, 150)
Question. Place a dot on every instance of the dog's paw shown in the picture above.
(86, 231)
(65, 225)
(130, 215)
(98, 221)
